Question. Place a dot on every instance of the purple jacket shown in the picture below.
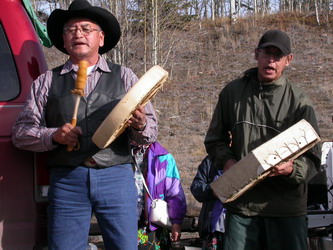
(164, 183)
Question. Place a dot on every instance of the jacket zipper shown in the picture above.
(260, 90)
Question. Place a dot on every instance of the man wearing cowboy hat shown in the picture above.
(89, 179)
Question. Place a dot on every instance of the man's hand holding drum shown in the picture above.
(138, 120)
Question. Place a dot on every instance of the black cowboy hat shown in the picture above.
(83, 9)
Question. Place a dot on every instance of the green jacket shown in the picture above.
(253, 113)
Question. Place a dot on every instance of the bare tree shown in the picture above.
(155, 31)
(233, 12)
(153, 25)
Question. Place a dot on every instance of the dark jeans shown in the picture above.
(265, 233)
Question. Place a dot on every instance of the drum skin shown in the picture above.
(116, 122)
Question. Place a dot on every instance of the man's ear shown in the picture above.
(256, 53)
(289, 59)
(101, 38)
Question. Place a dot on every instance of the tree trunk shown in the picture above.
(233, 13)
(154, 31)
(317, 14)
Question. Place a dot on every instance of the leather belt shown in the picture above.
(89, 163)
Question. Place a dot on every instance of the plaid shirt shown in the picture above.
(30, 131)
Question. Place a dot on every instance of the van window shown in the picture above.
(9, 81)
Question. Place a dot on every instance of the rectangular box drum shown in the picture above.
(253, 168)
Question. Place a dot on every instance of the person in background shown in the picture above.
(211, 217)
(160, 172)
(86, 180)
(254, 109)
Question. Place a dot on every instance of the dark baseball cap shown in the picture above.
(276, 38)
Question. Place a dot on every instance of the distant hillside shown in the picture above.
(206, 55)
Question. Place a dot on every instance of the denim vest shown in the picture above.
(92, 111)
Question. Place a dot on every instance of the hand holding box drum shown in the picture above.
(78, 92)
(117, 121)
(253, 168)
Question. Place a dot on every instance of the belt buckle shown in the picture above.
(89, 162)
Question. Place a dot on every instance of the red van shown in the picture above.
(22, 207)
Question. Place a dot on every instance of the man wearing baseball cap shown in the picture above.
(254, 109)
(88, 179)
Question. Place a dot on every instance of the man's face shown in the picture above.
(271, 63)
(82, 39)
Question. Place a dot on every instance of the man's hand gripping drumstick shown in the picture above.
(68, 134)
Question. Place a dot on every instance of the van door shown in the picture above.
(21, 61)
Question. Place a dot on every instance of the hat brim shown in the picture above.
(283, 49)
(102, 17)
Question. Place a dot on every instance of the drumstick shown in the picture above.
(78, 92)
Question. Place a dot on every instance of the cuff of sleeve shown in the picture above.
(51, 144)
(292, 178)
(142, 129)
(176, 221)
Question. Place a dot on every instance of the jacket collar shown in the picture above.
(266, 87)
(157, 149)
(101, 64)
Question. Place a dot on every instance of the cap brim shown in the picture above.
(283, 49)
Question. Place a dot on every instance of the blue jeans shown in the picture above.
(75, 194)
